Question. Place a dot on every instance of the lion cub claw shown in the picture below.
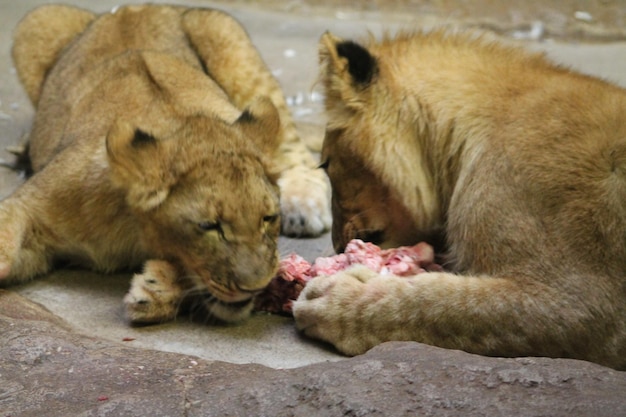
(154, 295)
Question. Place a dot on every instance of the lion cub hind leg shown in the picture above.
(40, 37)
(234, 63)
(155, 294)
(24, 253)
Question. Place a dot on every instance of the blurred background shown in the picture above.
(583, 20)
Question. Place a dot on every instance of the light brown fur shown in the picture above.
(518, 164)
(142, 151)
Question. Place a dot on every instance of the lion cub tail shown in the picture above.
(40, 37)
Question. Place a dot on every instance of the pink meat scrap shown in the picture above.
(294, 271)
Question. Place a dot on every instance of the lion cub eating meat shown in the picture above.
(159, 137)
(517, 164)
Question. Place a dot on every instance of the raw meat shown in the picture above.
(293, 274)
(294, 271)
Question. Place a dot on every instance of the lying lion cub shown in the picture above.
(520, 166)
(142, 152)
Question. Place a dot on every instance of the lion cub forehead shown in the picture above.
(227, 188)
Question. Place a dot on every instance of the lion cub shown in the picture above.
(159, 137)
(517, 164)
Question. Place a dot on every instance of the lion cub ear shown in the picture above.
(260, 122)
(139, 164)
(347, 68)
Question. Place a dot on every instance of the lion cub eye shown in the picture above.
(271, 218)
(269, 222)
(209, 226)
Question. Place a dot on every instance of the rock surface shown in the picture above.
(46, 369)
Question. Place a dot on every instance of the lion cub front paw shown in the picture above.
(154, 295)
(304, 202)
(333, 308)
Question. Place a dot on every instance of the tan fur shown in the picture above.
(141, 152)
(519, 164)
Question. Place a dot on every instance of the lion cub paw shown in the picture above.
(305, 202)
(154, 295)
(332, 308)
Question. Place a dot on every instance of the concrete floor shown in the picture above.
(92, 303)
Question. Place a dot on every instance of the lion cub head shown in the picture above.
(381, 192)
(193, 170)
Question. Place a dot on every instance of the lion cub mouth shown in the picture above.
(232, 296)
(225, 311)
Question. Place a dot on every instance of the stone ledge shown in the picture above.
(46, 369)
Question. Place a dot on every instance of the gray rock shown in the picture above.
(46, 369)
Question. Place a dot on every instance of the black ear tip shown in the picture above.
(142, 138)
(246, 116)
(361, 64)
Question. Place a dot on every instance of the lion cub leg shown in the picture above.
(234, 63)
(155, 294)
(357, 309)
(40, 37)
(24, 253)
